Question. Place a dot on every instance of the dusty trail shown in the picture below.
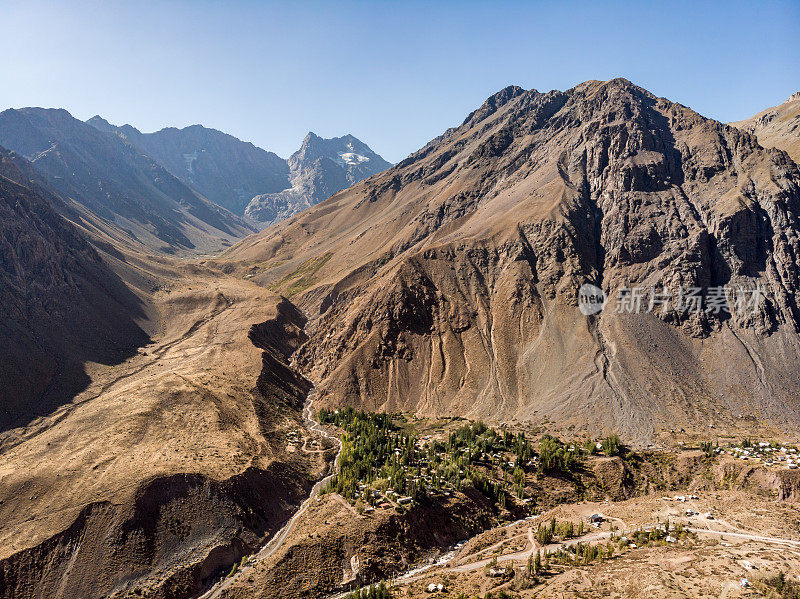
(279, 538)
(592, 538)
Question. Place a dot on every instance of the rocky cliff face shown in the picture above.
(226, 170)
(60, 304)
(451, 280)
(320, 168)
(118, 182)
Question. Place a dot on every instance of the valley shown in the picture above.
(171, 456)
(233, 376)
(617, 521)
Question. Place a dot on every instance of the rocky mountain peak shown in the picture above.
(320, 168)
(447, 281)
(494, 102)
(101, 124)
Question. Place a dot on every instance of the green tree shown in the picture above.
(612, 445)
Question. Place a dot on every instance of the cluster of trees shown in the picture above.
(536, 565)
(479, 438)
(378, 591)
(372, 448)
(583, 554)
(546, 532)
(587, 554)
(471, 444)
(657, 535)
(376, 451)
(783, 586)
(708, 448)
(489, 595)
(494, 491)
(555, 457)
(611, 446)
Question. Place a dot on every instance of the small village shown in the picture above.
(771, 454)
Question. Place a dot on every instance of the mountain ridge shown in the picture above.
(248, 180)
(218, 165)
(117, 182)
(777, 127)
(443, 285)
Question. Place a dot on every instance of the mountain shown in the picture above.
(448, 284)
(320, 168)
(145, 405)
(60, 303)
(777, 127)
(116, 181)
(250, 181)
(226, 170)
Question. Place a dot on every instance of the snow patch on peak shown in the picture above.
(351, 157)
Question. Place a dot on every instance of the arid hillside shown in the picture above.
(61, 305)
(169, 466)
(777, 127)
(448, 284)
(145, 408)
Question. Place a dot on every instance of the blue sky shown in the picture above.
(393, 74)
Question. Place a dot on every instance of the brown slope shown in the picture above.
(60, 306)
(157, 468)
(168, 467)
(447, 285)
(777, 127)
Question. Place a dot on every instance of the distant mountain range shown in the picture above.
(247, 180)
(177, 191)
(118, 182)
(226, 170)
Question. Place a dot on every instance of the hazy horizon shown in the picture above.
(393, 76)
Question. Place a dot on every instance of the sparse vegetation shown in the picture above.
(302, 278)
(778, 586)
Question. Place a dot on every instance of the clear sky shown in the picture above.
(394, 74)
